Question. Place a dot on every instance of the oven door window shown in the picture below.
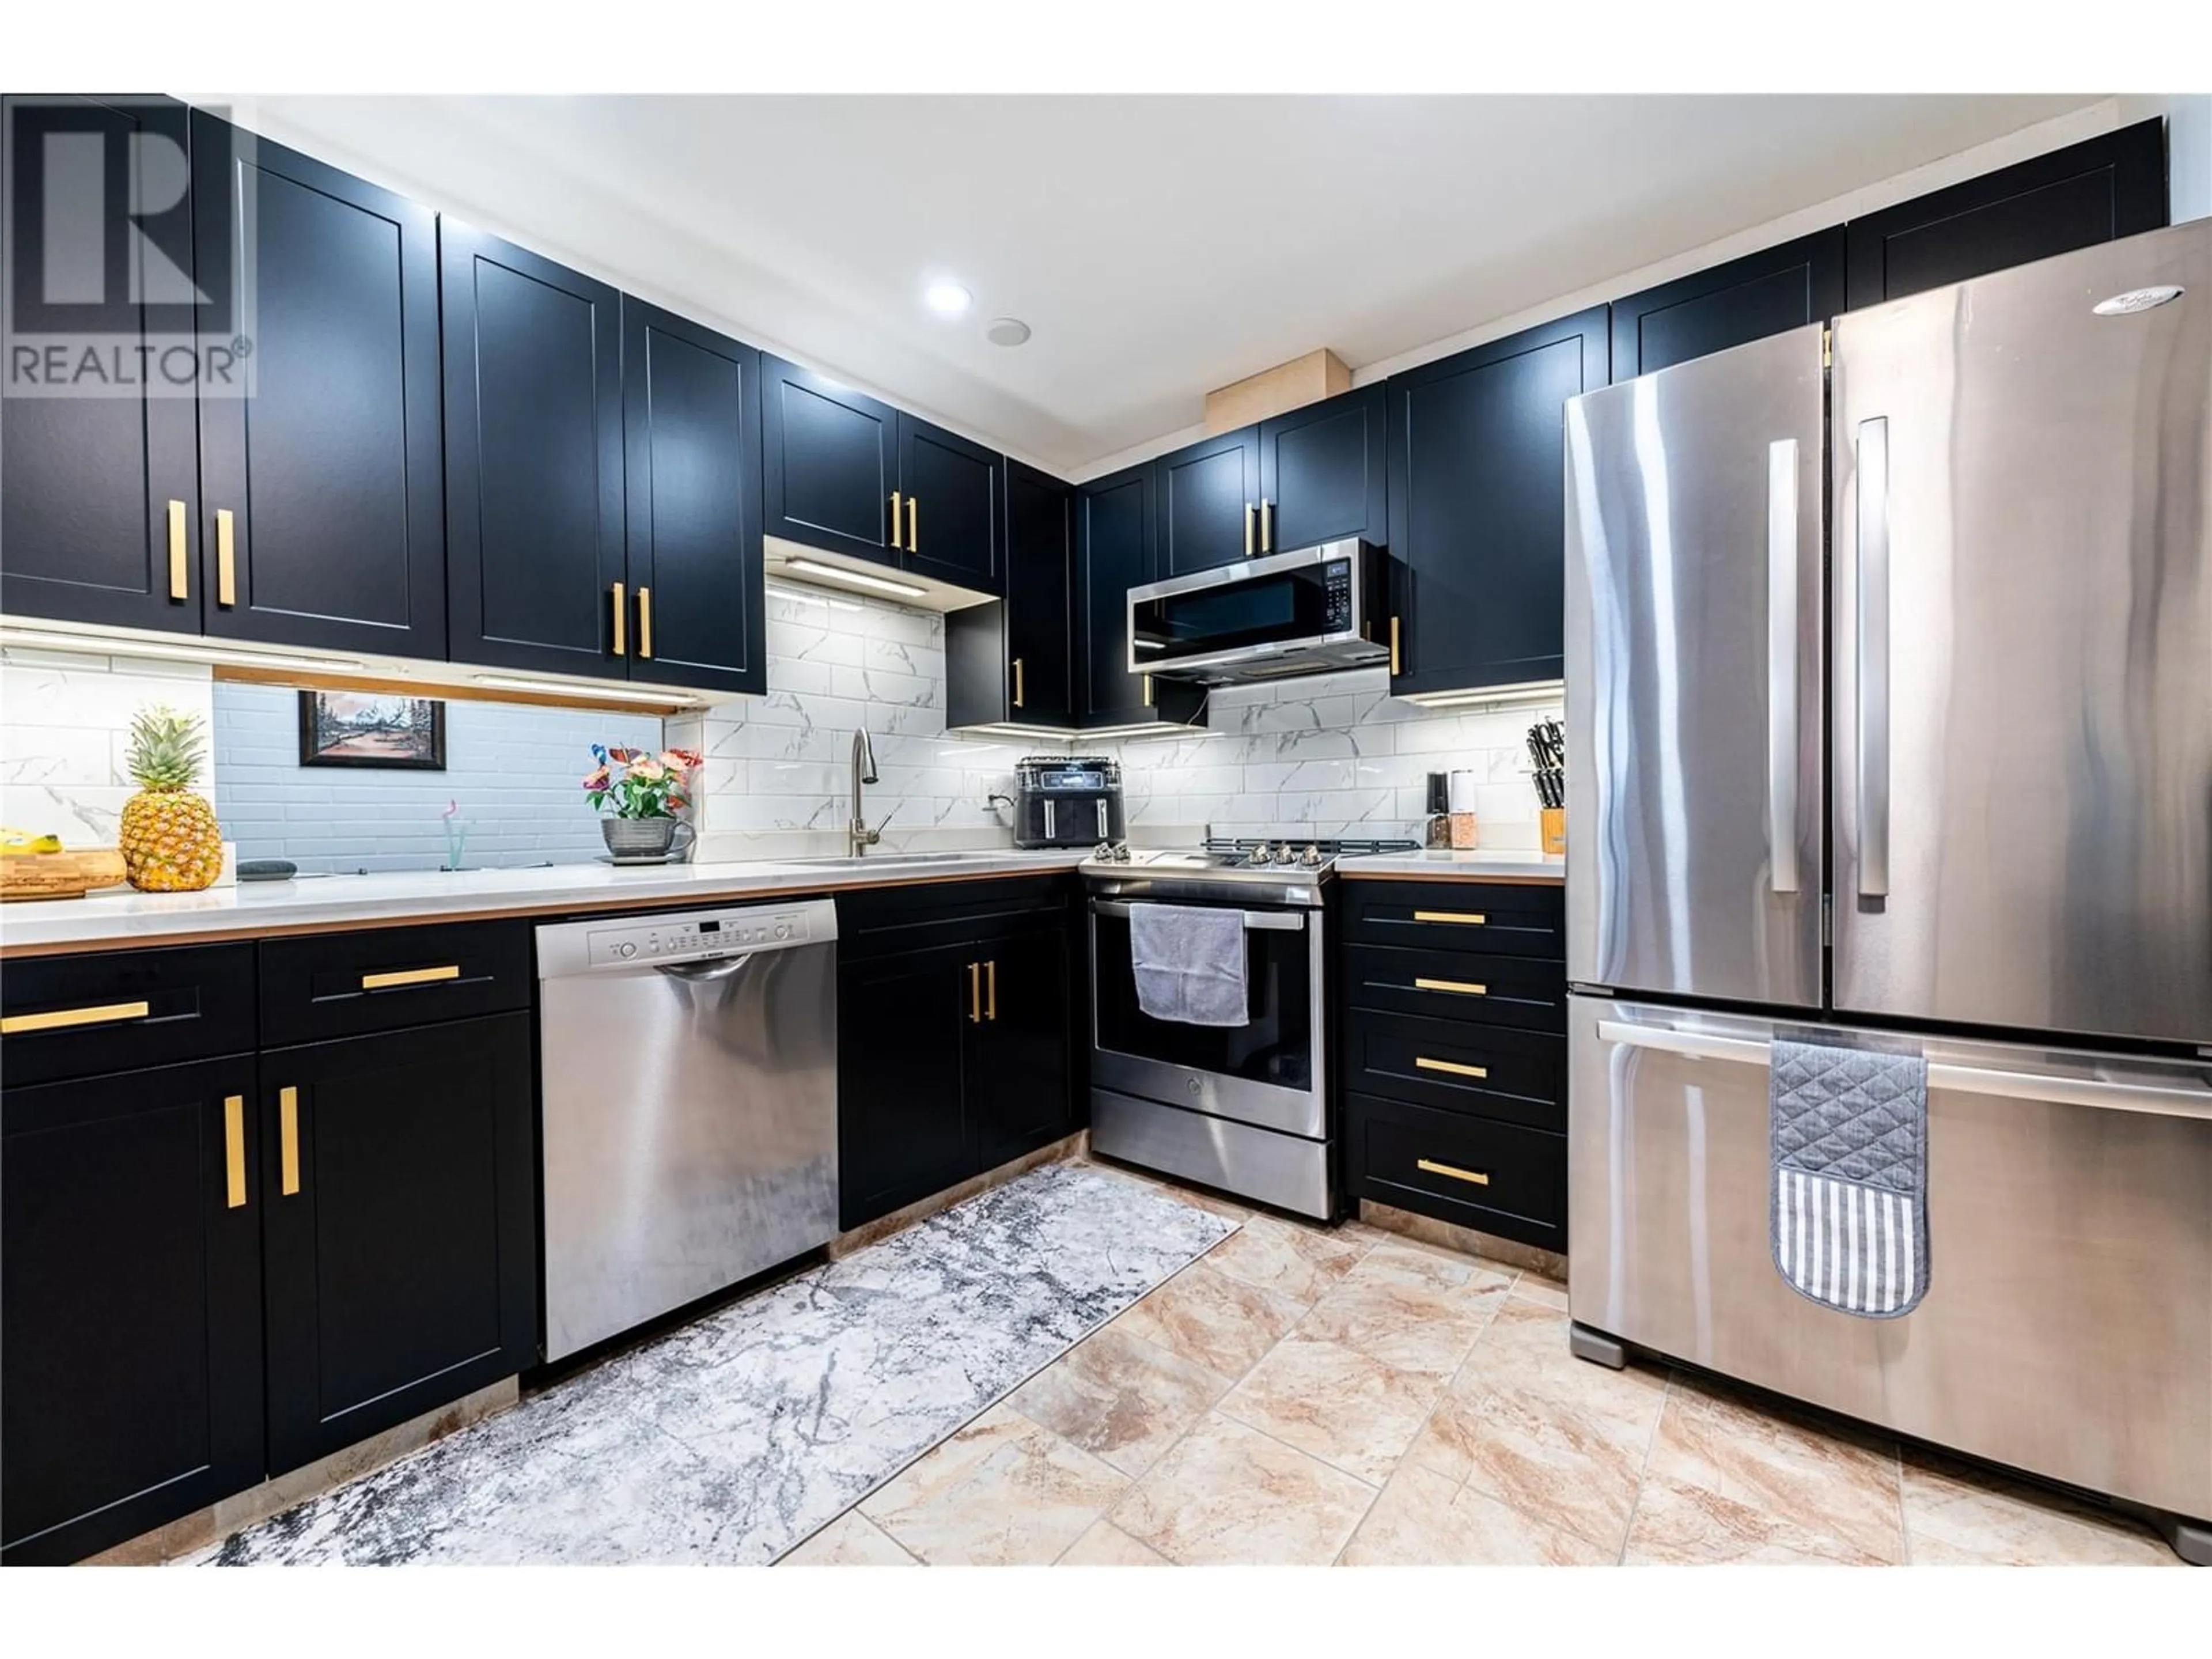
(1274, 1047)
(1281, 608)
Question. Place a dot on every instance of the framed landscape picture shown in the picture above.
(372, 728)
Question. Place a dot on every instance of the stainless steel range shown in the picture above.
(1243, 1108)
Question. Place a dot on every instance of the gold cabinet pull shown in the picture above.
(974, 993)
(991, 990)
(896, 499)
(1267, 525)
(913, 524)
(1422, 1063)
(1251, 518)
(1148, 690)
(1395, 667)
(410, 977)
(288, 1138)
(1017, 682)
(1457, 986)
(179, 581)
(645, 622)
(60, 1019)
(234, 1151)
(1452, 1169)
(225, 557)
(622, 622)
(1468, 918)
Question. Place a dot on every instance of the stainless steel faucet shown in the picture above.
(859, 837)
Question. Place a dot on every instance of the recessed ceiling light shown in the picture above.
(1007, 331)
(947, 298)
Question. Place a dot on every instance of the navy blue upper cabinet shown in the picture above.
(955, 531)
(2094, 191)
(1114, 552)
(101, 511)
(691, 425)
(1770, 292)
(829, 464)
(533, 460)
(1209, 503)
(1323, 473)
(322, 522)
(1478, 505)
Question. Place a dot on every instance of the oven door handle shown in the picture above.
(1256, 921)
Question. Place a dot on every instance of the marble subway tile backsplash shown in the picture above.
(66, 733)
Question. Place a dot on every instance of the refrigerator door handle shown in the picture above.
(2158, 1099)
(1873, 657)
(1782, 664)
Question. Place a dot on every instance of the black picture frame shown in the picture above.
(417, 745)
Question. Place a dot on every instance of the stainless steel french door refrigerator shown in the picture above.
(1889, 696)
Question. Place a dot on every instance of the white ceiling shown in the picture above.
(1158, 246)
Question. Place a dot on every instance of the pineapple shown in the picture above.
(170, 840)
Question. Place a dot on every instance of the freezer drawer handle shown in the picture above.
(2162, 1100)
(1782, 664)
(1873, 659)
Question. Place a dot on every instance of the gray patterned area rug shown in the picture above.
(730, 1441)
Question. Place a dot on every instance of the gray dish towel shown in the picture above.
(1189, 963)
(1848, 1206)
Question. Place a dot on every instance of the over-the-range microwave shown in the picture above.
(1310, 611)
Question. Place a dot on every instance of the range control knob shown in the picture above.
(1311, 857)
(1262, 853)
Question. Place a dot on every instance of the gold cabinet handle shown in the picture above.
(1456, 986)
(896, 499)
(1017, 682)
(991, 990)
(1395, 667)
(410, 977)
(645, 622)
(1251, 517)
(234, 1151)
(225, 557)
(622, 622)
(60, 1019)
(288, 1138)
(1452, 1169)
(1422, 1063)
(974, 993)
(179, 580)
(1267, 525)
(1469, 918)
(1148, 690)
(913, 524)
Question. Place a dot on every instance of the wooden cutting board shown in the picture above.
(59, 875)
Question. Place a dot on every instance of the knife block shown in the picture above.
(1554, 822)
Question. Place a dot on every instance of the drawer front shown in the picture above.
(1458, 1068)
(334, 985)
(1492, 918)
(65, 1016)
(1497, 1177)
(888, 921)
(1456, 984)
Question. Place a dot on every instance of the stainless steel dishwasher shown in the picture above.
(690, 1107)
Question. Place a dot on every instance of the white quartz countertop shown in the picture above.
(1463, 866)
(121, 916)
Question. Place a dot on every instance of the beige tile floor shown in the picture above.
(1299, 1396)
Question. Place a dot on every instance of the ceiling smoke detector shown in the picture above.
(1007, 331)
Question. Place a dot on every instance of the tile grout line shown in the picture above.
(1643, 1469)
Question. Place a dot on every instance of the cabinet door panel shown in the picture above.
(830, 463)
(1323, 475)
(1770, 292)
(901, 1132)
(1040, 529)
(1478, 512)
(1209, 503)
(2094, 192)
(132, 1306)
(692, 425)
(1019, 1097)
(955, 531)
(1114, 529)
(84, 519)
(331, 471)
(533, 457)
(403, 1268)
